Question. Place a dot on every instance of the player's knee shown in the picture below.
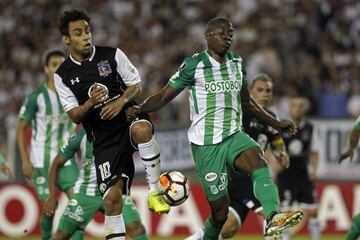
(141, 132)
(135, 229)
(312, 213)
(112, 203)
(220, 216)
(61, 235)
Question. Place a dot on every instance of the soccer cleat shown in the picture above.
(157, 204)
(280, 221)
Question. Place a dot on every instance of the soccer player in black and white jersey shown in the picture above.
(296, 183)
(95, 85)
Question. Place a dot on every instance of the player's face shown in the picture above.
(220, 39)
(53, 65)
(297, 108)
(79, 39)
(262, 92)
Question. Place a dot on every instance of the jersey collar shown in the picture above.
(90, 59)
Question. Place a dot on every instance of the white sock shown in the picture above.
(314, 228)
(150, 155)
(114, 227)
(286, 234)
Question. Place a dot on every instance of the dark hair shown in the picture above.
(51, 54)
(260, 77)
(71, 16)
(216, 22)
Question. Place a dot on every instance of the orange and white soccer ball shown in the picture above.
(175, 187)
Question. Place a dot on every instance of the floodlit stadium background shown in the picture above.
(308, 47)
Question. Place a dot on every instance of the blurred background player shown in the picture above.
(87, 200)
(5, 168)
(42, 111)
(296, 183)
(241, 191)
(95, 85)
(353, 140)
(217, 83)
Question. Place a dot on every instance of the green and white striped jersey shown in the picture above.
(50, 125)
(86, 182)
(357, 124)
(215, 106)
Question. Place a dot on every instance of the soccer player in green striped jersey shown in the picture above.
(217, 85)
(353, 140)
(43, 112)
(87, 199)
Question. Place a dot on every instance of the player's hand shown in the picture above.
(111, 110)
(287, 126)
(283, 159)
(27, 169)
(348, 154)
(6, 171)
(50, 205)
(98, 94)
(132, 112)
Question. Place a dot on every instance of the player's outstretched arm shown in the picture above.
(27, 167)
(50, 203)
(153, 103)
(353, 141)
(249, 105)
(5, 168)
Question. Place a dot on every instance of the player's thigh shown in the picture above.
(79, 212)
(211, 167)
(244, 153)
(41, 185)
(67, 176)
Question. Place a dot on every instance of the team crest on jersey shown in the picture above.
(104, 68)
(233, 68)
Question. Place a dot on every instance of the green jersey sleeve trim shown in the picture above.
(29, 108)
(72, 145)
(185, 75)
(2, 159)
(357, 124)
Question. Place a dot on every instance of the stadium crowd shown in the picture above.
(308, 47)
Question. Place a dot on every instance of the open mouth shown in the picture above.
(88, 45)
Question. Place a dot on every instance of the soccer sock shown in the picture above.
(354, 230)
(210, 232)
(150, 155)
(114, 227)
(265, 190)
(141, 237)
(196, 235)
(46, 227)
(314, 228)
(286, 234)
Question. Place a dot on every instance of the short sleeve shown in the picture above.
(29, 108)
(184, 76)
(128, 72)
(357, 124)
(67, 97)
(72, 145)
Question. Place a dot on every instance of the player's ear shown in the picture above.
(66, 39)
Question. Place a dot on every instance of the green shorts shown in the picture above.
(213, 162)
(79, 212)
(67, 177)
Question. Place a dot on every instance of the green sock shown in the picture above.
(141, 237)
(265, 190)
(46, 227)
(78, 235)
(354, 230)
(210, 232)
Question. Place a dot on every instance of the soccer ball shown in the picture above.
(175, 187)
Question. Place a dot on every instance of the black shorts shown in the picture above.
(115, 160)
(242, 198)
(302, 192)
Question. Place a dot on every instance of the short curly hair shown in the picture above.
(71, 16)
